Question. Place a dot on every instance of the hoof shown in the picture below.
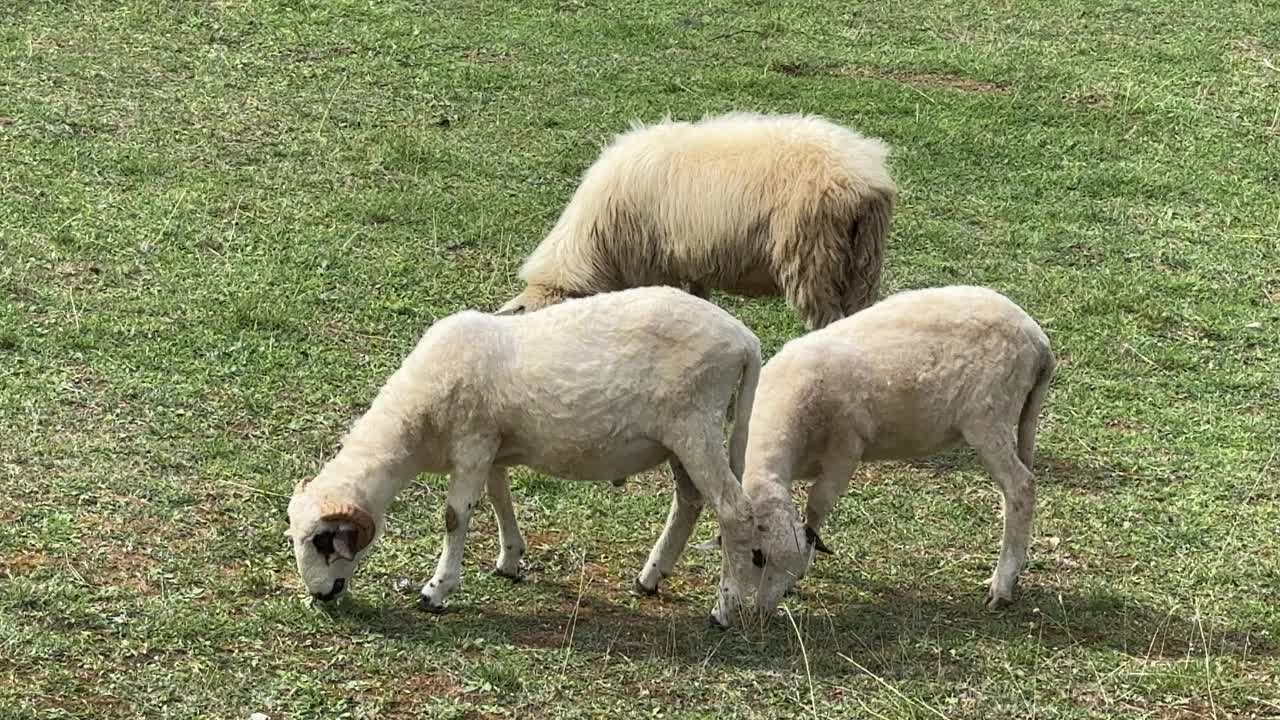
(638, 588)
(426, 604)
(515, 577)
(708, 545)
(997, 602)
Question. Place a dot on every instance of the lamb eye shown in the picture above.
(324, 543)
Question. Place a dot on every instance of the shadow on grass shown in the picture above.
(1051, 469)
(895, 634)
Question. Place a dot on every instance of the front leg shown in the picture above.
(466, 485)
(830, 486)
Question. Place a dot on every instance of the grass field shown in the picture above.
(223, 223)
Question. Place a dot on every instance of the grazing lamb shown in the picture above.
(750, 204)
(593, 389)
(915, 374)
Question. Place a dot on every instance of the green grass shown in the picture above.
(223, 223)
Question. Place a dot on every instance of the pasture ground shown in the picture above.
(223, 223)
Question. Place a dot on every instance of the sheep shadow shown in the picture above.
(895, 633)
(1051, 469)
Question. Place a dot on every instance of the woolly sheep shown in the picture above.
(915, 374)
(593, 389)
(750, 204)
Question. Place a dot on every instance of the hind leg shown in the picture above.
(510, 543)
(686, 506)
(998, 451)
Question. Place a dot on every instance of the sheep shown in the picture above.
(593, 389)
(756, 205)
(915, 374)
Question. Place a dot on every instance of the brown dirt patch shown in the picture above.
(1271, 291)
(484, 56)
(118, 545)
(543, 540)
(914, 78)
(24, 563)
(428, 684)
(402, 695)
(85, 389)
(1127, 426)
(1252, 49)
(1195, 709)
(245, 428)
(938, 80)
(82, 695)
(1092, 100)
(550, 636)
(77, 275)
(128, 568)
(321, 54)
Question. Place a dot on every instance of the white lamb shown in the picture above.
(594, 389)
(915, 374)
(745, 203)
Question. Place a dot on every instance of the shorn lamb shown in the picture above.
(594, 389)
(751, 204)
(917, 373)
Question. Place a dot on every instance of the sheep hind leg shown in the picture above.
(686, 506)
(1018, 496)
(510, 543)
(465, 489)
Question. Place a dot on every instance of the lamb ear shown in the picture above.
(811, 536)
(344, 542)
(709, 545)
(355, 527)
